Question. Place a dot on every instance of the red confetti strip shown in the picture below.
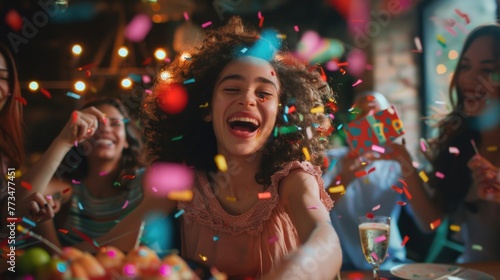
(402, 203)
(85, 67)
(370, 215)
(88, 73)
(403, 182)
(26, 185)
(463, 15)
(66, 190)
(407, 192)
(371, 170)
(64, 231)
(86, 238)
(21, 99)
(397, 189)
(405, 239)
(291, 109)
(129, 177)
(264, 195)
(147, 61)
(261, 21)
(14, 219)
(74, 117)
(435, 224)
(46, 93)
(360, 173)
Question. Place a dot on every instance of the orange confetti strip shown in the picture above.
(407, 192)
(264, 195)
(397, 189)
(491, 148)
(231, 198)
(186, 195)
(402, 203)
(46, 93)
(405, 240)
(26, 185)
(64, 231)
(434, 225)
(305, 151)
(360, 173)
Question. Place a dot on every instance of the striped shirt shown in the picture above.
(93, 216)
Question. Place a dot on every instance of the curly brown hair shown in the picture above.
(186, 138)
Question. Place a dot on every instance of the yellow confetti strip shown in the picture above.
(231, 198)
(455, 228)
(492, 148)
(306, 153)
(186, 195)
(319, 109)
(441, 38)
(477, 247)
(220, 161)
(423, 176)
(21, 228)
(281, 36)
(204, 105)
(203, 258)
(336, 189)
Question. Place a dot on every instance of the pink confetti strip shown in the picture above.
(359, 81)
(125, 205)
(103, 173)
(259, 15)
(272, 239)
(378, 149)
(312, 207)
(452, 32)
(75, 182)
(374, 256)
(474, 146)
(418, 43)
(423, 146)
(379, 239)
(264, 195)
(439, 175)
(375, 208)
(186, 16)
(296, 28)
(206, 24)
(454, 150)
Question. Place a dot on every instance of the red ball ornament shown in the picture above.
(172, 98)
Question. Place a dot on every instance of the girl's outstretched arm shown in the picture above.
(320, 256)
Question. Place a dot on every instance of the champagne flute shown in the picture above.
(374, 234)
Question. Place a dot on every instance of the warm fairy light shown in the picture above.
(165, 75)
(185, 56)
(80, 86)
(453, 54)
(76, 49)
(160, 54)
(441, 69)
(126, 83)
(123, 52)
(33, 86)
(157, 18)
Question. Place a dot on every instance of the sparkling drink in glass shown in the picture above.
(374, 234)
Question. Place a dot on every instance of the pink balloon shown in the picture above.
(164, 178)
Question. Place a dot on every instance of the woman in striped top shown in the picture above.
(90, 175)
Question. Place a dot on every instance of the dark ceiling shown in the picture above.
(43, 53)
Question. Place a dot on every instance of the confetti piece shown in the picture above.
(374, 256)
(190, 81)
(231, 198)
(423, 145)
(378, 149)
(305, 151)
(137, 29)
(73, 95)
(405, 240)
(473, 146)
(309, 132)
(407, 192)
(423, 176)
(370, 215)
(369, 170)
(463, 15)
(491, 148)
(21, 99)
(454, 150)
(375, 208)
(397, 189)
(380, 238)
(441, 40)
(206, 24)
(455, 228)
(451, 31)
(177, 138)
(26, 185)
(125, 205)
(147, 61)
(477, 247)
(64, 231)
(402, 203)
(66, 190)
(296, 28)
(215, 238)
(128, 177)
(403, 182)
(440, 175)
(272, 239)
(360, 173)
(186, 16)
(418, 43)
(80, 206)
(29, 222)
(220, 161)
(312, 207)
(46, 93)
(186, 195)
(359, 81)
(261, 21)
(259, 14)
(435, 224)
(204, 105)
(117, 184)
(319, 109)
(336, 189)
(179, 213)
(264, 195)
(103, 173)
(86, 238)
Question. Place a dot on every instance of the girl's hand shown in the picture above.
(81, 126)
(486, 177)
(37, 208)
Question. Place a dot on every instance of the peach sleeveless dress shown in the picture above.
(247, 245)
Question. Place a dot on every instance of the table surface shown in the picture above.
(492, 268)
